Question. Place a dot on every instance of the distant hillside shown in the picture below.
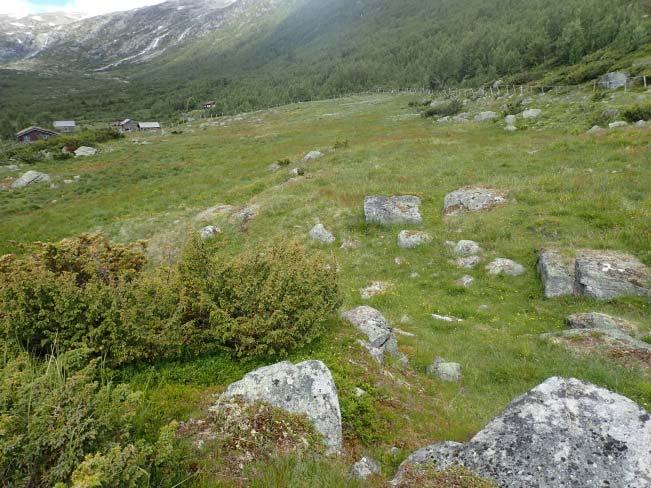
(276, 51)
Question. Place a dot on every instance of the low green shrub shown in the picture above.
(261, 303)
(637, 112)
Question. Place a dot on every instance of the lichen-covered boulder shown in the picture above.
(380, 337)
(613, 80)
(392, 210)
(605, 275)
(465, 248)
(564, 433)
(209, 232)
(85, 151)
(29, 178)
(409, 239)
(557, 273)
(445, 370)
(472, 200)
(305, 388)
(485, 116)
(532, 113)
(312, 155)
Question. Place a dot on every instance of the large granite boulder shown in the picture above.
(305, 388)
(392, 210)
(29, 178)
(611, 81)
(603, 275)
(564, 433)
(471, 200)
(85, 151)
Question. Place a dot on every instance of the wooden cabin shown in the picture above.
(34, 133)
(209, 105)
(127, 125)
(149, 126)
(65, 126)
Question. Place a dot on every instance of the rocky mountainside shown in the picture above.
(27, 36)
(106, 41)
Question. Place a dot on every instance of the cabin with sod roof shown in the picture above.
(34, 133)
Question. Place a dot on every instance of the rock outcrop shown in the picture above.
(305, 388)
(613, 80)
(485, 116)
(564, 433)
(472, 199)
(532, 113)
(600, 321)
(392, 210)
(603, 275)
(365, 468)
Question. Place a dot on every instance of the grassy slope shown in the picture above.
(568, 188)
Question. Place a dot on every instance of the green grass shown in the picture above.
(567, 189)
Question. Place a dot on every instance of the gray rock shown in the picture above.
(614, 80)
(465, 281)
(245, 214)
(471, 200)
(641, 124)
(532, 113)
(557, 273)
(392, 210)
(465, 248)
(445, 371)
(470, 262)
(321, 234)
(312, 155)
(596, 130)
(305, 388)
(600, 321)
(274, 167)
(84, 151)
(209, 232)
(507, 267)
(365, 468)
(564, 433)
(485, 116)
(617, 123)
(509, 120)
(446, 318)
(409, 239)
(461, 118)
(603, 340)
(605, 275)
(297, 172)
(29, 178)
(374, 289)
(372, 323)
(444, 120)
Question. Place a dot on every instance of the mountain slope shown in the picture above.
(256, 53)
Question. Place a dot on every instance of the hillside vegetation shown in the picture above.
(313, 49)
(130, 342)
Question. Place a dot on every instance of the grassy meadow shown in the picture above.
(566, 189)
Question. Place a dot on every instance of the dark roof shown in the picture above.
(34, 128)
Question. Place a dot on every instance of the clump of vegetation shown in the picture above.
(238, 433)
(430, 477)
(341, 144)
(513, 107)
(284, 162)
(263, 302)
(52, 148)
(445, 109)
(637, 112)
(85, 292)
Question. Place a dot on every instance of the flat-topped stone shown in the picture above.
(471, 199)
(392, 210)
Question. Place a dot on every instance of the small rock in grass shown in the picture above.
(485, 116)
(409, 239)
(532, 113)
(507, 267)
(209, 232)
(85, 151)
(466, 248)
(465, 281)
(595, 129)
(297, 172)
(350, 244)
(374, 289)
(29, 178)
(392, 210)
(320, 234)
(617, 123)
(445, 371)
(359, 392)
(312, 155)
(472, 199)
(468, 263)
(365, 468)
(445, 318)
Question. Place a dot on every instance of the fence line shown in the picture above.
(494, 90)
